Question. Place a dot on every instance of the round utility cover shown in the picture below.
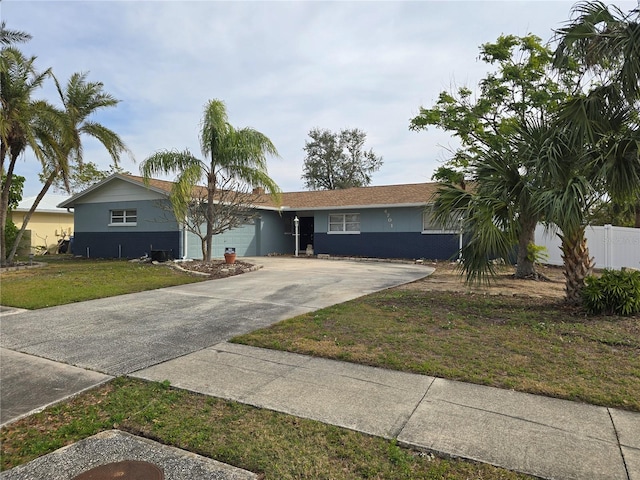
(126, 470)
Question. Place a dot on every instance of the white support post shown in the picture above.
(184, 241)
(296, 222)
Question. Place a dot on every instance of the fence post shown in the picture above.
(608, 246)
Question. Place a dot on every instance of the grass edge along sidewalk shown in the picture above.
(272, 444)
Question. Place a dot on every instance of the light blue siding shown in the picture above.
(378, 220)
(272, 235)
(95, 217)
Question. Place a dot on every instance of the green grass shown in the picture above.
(276, 445)
(66, 280)
(534, 346)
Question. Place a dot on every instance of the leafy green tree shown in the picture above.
(81, 100)
(229, 154)
(607, 212)
(338, 160)
(498, 212)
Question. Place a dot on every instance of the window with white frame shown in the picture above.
(344, 223)
(124, 217)
(431, 225)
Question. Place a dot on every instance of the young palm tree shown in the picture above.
(497, 212)
(228, 152)
(18, 118)
(81, 99)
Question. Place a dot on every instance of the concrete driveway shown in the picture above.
(98, 339)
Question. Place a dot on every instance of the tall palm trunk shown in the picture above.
(29, 214)
(525, 267)
(211, 188)
(577, 264)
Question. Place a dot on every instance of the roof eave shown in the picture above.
(351, 207)
(71, 201)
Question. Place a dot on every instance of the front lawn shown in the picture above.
(66, 280)
(527, 344)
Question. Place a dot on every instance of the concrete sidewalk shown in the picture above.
(541, 436)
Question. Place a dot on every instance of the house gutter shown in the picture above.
(352, 207)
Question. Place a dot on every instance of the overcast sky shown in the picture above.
(282, 68)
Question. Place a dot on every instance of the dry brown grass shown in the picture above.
(448, 278)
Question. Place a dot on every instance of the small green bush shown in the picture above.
(10, 233)
(614, 292)
(537, 253)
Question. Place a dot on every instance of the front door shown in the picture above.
(306, 232)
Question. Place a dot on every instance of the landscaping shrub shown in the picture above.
(10, 233)
(537, 253)
(614, 292)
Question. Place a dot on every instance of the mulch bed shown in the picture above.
(216, 268)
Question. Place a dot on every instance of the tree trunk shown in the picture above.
(4, 204)
(211, 187)
(525, 267)
(577, 265)
(637, 223)
(27, 217)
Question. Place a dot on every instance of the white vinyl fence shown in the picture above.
(611, 247)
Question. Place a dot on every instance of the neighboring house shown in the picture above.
(121, 217)
(48, 225)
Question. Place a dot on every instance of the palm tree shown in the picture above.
(18, 118)
(228, 153)
(81, 99)
(7, 37)
(497, 212)
(592, 148)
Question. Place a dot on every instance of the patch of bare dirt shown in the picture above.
(448, 278)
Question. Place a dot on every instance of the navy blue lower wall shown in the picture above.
(389, 245)
(124, 244)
